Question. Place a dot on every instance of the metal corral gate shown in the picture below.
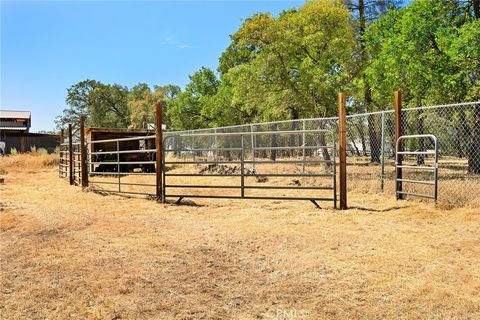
(244, 151)
(115, 160)
(241, 155)
(69, 160)
(419, 167)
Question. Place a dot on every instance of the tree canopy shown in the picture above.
(293, 65)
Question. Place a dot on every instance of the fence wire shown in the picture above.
(370, 147)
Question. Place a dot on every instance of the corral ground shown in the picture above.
(72, 254)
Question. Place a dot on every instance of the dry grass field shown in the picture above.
(70, 254)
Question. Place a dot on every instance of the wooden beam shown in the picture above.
(397, 102)
(70, 154)
(159, 153)
(342, 143)
(83, 158)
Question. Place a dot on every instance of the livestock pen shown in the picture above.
(299, 159)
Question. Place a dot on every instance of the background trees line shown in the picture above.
(292, 66)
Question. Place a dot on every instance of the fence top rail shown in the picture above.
(414, 136)
(351, 116)
(122, 139)
(251, 126)
(174, 134)
(417, 136)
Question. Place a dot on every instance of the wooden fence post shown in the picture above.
(83, 164)
(397, 102)
(159, 153)
(342, 148)
(70, 154)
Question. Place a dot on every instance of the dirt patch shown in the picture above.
(8, 220)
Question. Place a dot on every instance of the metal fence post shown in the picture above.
(435, 173)
(397, 101)
(216, 144)
(194, 147)
(70, 153)
(382, 154)
(342, 148)
(303, 145)
(242, 167)
(252, 138)
(83, 165)
(334, 151)
(159, 154)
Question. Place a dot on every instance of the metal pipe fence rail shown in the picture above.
(63, 160)
(400, 156)
(77, 167)
(371, 146)
(110, 166)
(117, 164)
(238, 148)
(370, 150)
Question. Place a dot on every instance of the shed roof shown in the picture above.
(14, 114)
(118, 130)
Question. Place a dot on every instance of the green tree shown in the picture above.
(429, 50)
(289, 66)
(78, 102)
(108, 106)
(364, 12)
(102, 105)
(186, 110)
(141, 104)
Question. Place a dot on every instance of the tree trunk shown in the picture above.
(474, 150)
(273, 144)
(357, 152)
(476, 8)
(323, 142)
(374, 141)
(362, 138)
(293, 137)
(459, 135)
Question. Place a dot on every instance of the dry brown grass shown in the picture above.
(29, 161)
(72, 254)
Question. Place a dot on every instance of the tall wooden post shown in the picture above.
(397, 102)
(342, 143)
(83, 158)
(159, 153)
(70, 154)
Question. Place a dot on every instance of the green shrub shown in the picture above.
(38, 151)
(13, 151)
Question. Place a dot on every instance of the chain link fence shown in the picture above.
(370, 147)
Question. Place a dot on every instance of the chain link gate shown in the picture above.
(420, 165)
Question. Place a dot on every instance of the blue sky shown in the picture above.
(48, 46)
